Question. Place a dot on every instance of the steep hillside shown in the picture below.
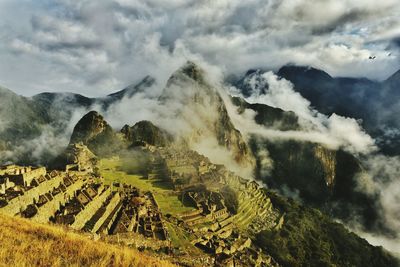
(343, 96)
(200, 105)
(19, 117)
(59, 108)
(92, 130)
(129, 91)
(267, 116)
(310, 238)
(24, 243)
(21, 121)
(375, 103)
(319, 176)
(146, 132)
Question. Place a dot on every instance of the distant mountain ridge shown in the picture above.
(187, 87)
(375, 103)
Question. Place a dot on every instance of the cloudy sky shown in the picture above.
(97, 47)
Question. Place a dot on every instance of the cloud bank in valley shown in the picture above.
(381, 176)
(97, 47)
(381, 180)
(334, 131)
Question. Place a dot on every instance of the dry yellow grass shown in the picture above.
(24, 243)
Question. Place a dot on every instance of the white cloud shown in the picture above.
(101, 46)
(381, 180)
(334, 131)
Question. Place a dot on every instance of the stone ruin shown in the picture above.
(80, 158)
(210, 206)
(80, 200)
(216, 230)
(139, 213)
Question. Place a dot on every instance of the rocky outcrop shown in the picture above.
(319, 176)
(90, 127)
(268, 116)
(201, 106)
(145, 132)
(76, 157)
(80, 156)
(328, 162)
(94, 132)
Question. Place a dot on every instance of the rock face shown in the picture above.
(89, 128)
(252, 81)
(81, 156)
(328, 161)
(301, 166)
(146, 132)
(319, 176)
(269, 116)
(201, 106)
(94, 132)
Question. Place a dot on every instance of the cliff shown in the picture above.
(201, 106)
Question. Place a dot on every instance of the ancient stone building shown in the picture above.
(80, 200)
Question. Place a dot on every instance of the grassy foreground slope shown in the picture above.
(24, 243)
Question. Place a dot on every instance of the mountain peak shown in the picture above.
(395, 77)
(70, 99)
(89, 127)
(192, 71)
(146, 132)
(3, 89)
(94, 132)
(305, 71)
(132, 89)
(252, 71)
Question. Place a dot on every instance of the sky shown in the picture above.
(98, 47)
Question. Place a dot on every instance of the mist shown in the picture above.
(382, 180)
(381, 175)
(335, 132)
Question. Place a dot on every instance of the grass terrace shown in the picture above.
(168, 200)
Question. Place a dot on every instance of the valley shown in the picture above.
(179, 207)
(150, 188)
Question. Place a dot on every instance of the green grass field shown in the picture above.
(167, 199)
